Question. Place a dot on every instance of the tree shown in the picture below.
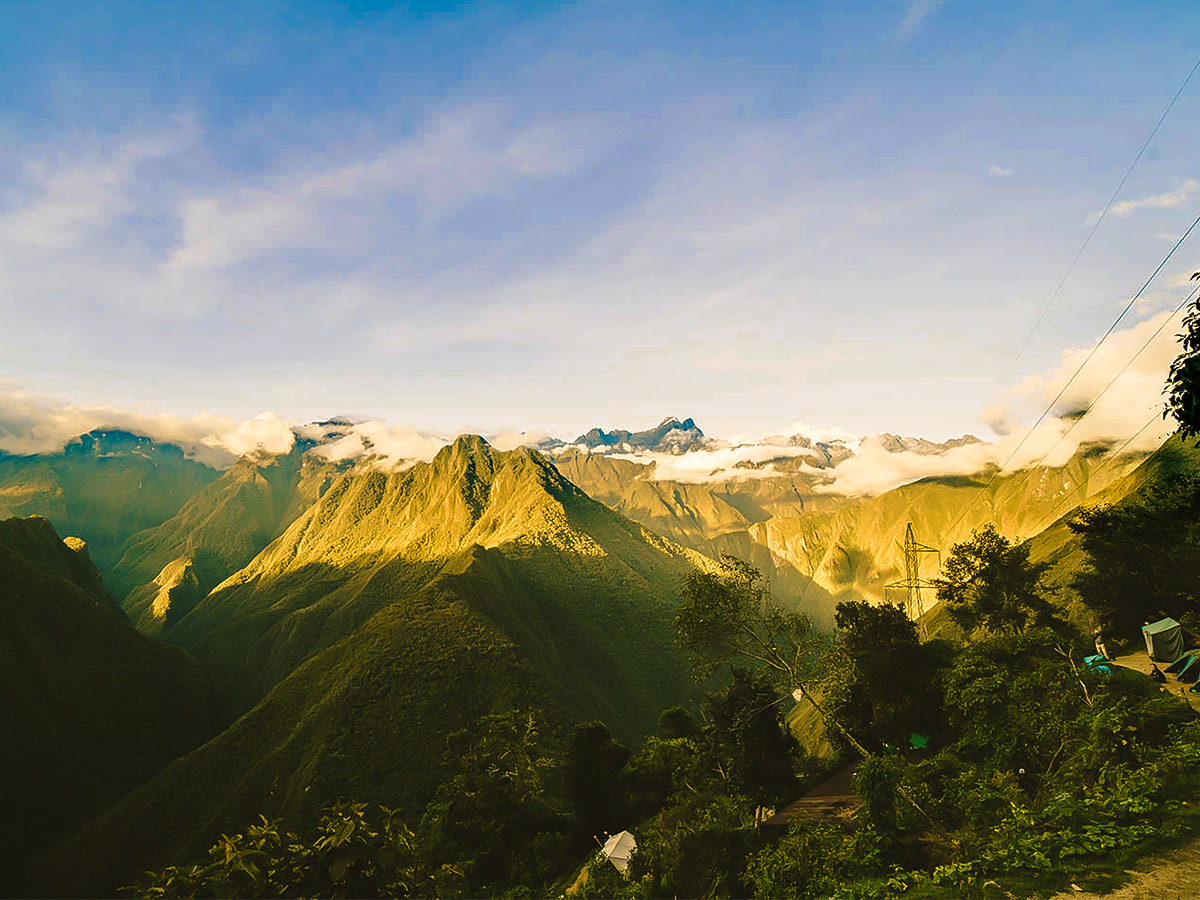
(882, 683)
(356, 851)
(1143, 555)
(1183, 381)
(499, 819)
(729, 616)
(747, 741)
(989, 582)
(594, 764)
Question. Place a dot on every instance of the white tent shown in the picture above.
(619, 850)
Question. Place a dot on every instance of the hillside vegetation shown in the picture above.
(91, 708)
(166, 570)
(578, 577)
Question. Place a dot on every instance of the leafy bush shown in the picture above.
(355, 851)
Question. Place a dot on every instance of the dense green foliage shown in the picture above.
(988, 582)
(1048, 771)
(881, 682)
(593, 773)
(1183, 381)
(729, 616)
(497, 823)
(1143, 555)
(354, 851)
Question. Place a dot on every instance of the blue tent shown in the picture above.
(1191, 671)
(1180, 664)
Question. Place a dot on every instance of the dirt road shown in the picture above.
(1171, 876)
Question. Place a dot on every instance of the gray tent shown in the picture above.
(1164, 640)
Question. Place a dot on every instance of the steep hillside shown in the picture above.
(104, 486)
(90, 708)
(599, 588)
(166, 570)
(1060, 547)
(365, 718)
(856, 549)
(692, 513)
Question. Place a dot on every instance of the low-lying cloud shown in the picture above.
(33, 424)
(1114, 400)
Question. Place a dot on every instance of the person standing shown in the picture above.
(1101, 648)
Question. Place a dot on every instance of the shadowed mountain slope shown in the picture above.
(90, 708)
(366, 718)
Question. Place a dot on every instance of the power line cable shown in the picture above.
(1111, 459)
(1096, 225)
(1186, 300)
(1050, 406)
(1092, 232)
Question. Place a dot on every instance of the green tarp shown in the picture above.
(1164, 640)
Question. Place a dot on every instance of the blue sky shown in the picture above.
(559, 215)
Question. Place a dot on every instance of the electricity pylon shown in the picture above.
(913, 584)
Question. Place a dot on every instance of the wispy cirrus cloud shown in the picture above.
(346, 205)
(1179, 196)
(66, 198)
(914, 17)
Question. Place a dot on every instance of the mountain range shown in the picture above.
(356, 613)
(397, 609)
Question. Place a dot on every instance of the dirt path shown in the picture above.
(1171, 876)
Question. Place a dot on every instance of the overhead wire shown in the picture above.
(1142, 349)
(1079, 255)
(1112, 457)
(1096, 225)
(1050, 406)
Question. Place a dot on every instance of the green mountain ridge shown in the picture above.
(166, 570)
(90, 707)
(373, 534)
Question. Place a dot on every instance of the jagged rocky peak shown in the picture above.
(670, 436)
(326, 431)
(895, 443)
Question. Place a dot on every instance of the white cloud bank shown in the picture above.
(1120, 388)
(32, 424)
